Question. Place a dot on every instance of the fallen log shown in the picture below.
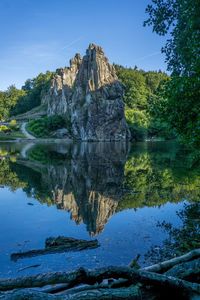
(63, 287)
(57, 245)
(131, 292)
(65, 241)
(166, 265)
(185, 270)
(54, 289)
(27, 294)
(120, 293)
(111, 284)
(84, 276)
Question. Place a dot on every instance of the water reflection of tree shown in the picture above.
(8, 177)
(93, 181)
(156, 177)
(180, 239)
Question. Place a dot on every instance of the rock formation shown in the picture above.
(90, 96)
(60, 94)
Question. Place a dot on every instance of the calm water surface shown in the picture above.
(116, 193)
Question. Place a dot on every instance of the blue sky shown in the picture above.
(41, 35)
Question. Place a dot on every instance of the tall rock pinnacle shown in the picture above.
(90, 95)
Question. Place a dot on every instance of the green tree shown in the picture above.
(135, 87)
(3, 109)
(154, 79)
(8, 100)
(181, 20)
(142, 99)
(33, 91)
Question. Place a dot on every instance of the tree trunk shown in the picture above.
(83, 276)
(185, 270)
(120, 293)
(164, 266)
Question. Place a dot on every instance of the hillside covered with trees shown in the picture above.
(141, 97)
(15, 101)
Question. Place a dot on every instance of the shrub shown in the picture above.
(13, 125)
(45, 126)
(4, 128)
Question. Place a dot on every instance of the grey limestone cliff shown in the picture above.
(89, 94)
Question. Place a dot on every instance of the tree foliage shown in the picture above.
(34, 89)
(8, 100)
(43, 127)
(142, 96)
(15, 101)
(181, 20)
(135, 87)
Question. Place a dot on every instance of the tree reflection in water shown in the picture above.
(95, 180)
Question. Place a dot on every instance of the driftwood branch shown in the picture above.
(185, 270)
(57, 245)
(164, 266)
(84, 276)
(27, 294)
(119, 293)
(63, 287)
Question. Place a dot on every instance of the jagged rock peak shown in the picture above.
(95, 70)
(60, 93)
(96, 48)
(90, 95)
(75, 61)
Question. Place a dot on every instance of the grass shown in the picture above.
(32, 114)
(11, 135)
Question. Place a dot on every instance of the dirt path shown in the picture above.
(25, 132)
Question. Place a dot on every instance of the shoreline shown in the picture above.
(37, 140)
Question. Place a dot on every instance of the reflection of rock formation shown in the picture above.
(89, 184)
(94, 212)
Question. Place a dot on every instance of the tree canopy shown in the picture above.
(142, 97)
(34, 89)
(181, 106)
(9, 99)
(15, 101)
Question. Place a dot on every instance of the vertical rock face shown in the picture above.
(59, 97)
(90, 95)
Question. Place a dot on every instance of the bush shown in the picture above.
(4, 128)
(13, 125)
(45, 126)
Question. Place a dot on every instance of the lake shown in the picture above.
(126, 196)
